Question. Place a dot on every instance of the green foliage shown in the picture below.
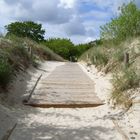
(66, 49)
(63, 47)
(28, 29)
(127, 24)
(81, 48)
(5, 72)
(117, 37)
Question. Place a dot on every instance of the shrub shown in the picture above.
(63, 47)
(5, 73)
(123, 26)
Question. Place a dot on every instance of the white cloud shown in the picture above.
(67, 3)
(46, 10)
(62, 18)
(75, 27)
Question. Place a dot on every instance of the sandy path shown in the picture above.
(60, 123)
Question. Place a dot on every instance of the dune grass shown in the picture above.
(109, 57)
(17, 54)
(123, 81)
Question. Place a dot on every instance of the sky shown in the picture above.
(79, 20)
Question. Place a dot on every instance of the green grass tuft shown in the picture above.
(5, 73)
(128, 79)
(99, 57)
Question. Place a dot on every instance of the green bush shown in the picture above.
(28, 29)
(63, 47)
(5, 73)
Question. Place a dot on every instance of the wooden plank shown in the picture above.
(64, 105)
(67, 95)
(33, 89)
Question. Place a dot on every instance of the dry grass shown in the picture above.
(122, 82)
(110, 58)
(17, 54)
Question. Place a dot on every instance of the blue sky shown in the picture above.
(79, 20)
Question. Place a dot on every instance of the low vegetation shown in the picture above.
(110, 58)
(99, 58)
(17, 54)
(63, 47)
(119, 37)
(5, 73)
(66, 49)
(122, 82)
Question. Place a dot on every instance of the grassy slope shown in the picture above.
(16, 55)
(110, 58)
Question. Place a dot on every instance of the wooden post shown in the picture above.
(31, 53)
(9, 133)
(88, 60)
(27, 100)
(126, 59)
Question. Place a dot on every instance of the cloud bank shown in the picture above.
(78, 20)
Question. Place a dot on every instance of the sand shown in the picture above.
(129, 122)
(59, 123)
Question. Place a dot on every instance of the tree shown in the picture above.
(66, 49)
(127, 24)
(81, 48)
(28, 29)
(63, 47)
